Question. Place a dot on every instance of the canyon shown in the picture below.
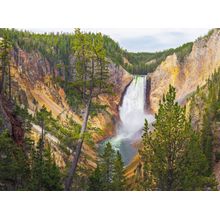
(33, 87)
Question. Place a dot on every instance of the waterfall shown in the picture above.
(132, 111)
(132, 116)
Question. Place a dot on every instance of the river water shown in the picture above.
(132, 116)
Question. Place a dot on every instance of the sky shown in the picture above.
(143, 39)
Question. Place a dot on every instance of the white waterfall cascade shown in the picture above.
(132, 114)
(132, 111)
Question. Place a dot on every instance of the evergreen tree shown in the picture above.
(14, 167)
(118, 175)
(95, 180)
(42, 118)
(45, 175)
(92, 75)
(109, 174)
(51, 172)
(107, 166)
(5, 47)
(172, 157)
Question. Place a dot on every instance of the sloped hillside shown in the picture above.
(35, 69)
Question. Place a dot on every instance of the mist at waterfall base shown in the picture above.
(132, 114)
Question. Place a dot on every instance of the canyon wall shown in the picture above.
(33, 87)
(186, 75)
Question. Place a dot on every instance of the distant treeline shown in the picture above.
(56, 48)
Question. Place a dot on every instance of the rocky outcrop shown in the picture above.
(147, 106)
(33, 87)
(186, 75)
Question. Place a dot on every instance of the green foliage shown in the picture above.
(67, 133)
(54, 47)
(45, 175)
(217, 156)
(25, 167)
(143, 63)
(207, 140)
(14, 167)
(172, 157)
(107, 166)
(113, 51)
(207, 36)
(95, 180)
(43, 116)
(206, 102)
(26, 118)
(5, 77)
(109, 174)
(118, 179)
(183, 51)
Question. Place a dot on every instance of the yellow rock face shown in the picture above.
(186, 76)
(33, 87)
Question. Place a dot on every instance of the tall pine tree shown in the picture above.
(172, 157)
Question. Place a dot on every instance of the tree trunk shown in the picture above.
(170, 172)
(84, 81)
(9, 81)
(41, 147)
(5, 119)
(3, 77)
(74, 163)
(101, 73)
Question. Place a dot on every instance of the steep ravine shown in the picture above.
(33, 87)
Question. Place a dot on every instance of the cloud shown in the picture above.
(150, 40)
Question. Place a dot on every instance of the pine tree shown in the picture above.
(45, 175)
(109, 174)
(14, 167)
(95, 180)
(107, 166)
(42, 118)
(118, 175)
(172, 151)
(5, 47)
(90, 66)
(51, 172)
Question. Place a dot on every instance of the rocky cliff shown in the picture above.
(188, 73)
(33, 87)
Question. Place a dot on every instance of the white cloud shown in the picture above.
(149, 39)
(122, 33)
